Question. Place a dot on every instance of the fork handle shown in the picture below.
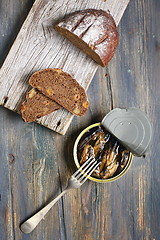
(29, 225)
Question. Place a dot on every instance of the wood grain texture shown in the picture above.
(35, 163)
(38, 46)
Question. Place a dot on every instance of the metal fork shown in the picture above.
(75, 181)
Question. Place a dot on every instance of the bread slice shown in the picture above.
(93, 31)
(61, 88)
(37, 105)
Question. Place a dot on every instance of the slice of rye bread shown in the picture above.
(93, 31)
(37, 105)
(61, 88)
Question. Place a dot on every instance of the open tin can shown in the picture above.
(132, 129)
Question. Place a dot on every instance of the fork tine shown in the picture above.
(83, 170)
(84, 164)
(85, 177)
(89, 171)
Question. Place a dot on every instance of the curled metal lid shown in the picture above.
(131, 127)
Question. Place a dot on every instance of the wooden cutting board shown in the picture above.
(39, 46)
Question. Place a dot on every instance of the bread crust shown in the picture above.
(93, 31)
(37, 105)
(60, 87)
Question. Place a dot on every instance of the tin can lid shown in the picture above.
(131, 127)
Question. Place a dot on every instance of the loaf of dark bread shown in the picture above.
(59, 86)
(93, 31)
(37, 105)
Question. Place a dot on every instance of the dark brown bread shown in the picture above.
(62, 88)
(37, 105)
(93, 31)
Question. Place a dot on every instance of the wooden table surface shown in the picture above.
(35, 162)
